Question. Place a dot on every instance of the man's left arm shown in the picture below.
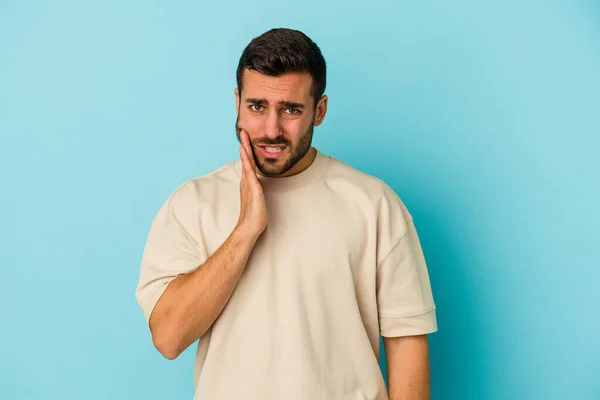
(408, 367)
(405, 304)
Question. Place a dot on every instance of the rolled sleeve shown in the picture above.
(404, 296)
(408, 326)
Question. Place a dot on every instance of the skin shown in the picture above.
(408, 367)
(279, 111)
(193, 301)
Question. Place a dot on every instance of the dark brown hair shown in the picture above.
(279, 51)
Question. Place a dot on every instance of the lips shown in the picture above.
(270, 151)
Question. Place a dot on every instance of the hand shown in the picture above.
(253, 208)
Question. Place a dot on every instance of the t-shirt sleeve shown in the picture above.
(404, 296)
(170, 251)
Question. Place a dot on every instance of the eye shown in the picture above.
(292, 111)
(256, 107)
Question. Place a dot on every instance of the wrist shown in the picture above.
(244, 234)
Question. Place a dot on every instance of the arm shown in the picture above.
(408, 367)
(193, 301)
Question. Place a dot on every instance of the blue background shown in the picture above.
(483, 116)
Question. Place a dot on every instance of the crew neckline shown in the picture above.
(316, 169)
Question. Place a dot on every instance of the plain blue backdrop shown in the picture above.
(483, 116)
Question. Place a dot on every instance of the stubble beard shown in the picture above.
(274, 166)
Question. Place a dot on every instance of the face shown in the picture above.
(279, 115)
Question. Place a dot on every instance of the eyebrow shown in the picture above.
(289, 104)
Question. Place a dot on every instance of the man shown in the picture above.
(288, 264)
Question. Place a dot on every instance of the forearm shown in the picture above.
(408, 368)
(193, 301)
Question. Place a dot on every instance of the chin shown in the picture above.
(273, 168)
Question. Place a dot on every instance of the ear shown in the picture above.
(321, 110)
(237, 99)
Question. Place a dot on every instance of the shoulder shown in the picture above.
(345, 177)
(372, 193)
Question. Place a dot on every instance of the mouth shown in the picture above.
(272, 151)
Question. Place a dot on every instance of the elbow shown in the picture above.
(169, 339)
(169, 354)
(167, 345)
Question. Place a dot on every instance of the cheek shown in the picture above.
(294, 129)
(251, 124)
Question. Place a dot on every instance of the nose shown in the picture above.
(273, 125)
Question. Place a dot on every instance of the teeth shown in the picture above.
(273, 149)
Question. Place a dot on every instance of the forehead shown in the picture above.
(293, 86)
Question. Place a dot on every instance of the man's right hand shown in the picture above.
(193, 301)
(253, 208)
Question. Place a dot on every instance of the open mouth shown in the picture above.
(272, 151)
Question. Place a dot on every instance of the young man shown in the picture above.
(288, 264)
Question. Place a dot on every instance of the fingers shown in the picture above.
(244, 162)
(246, 165)
(246, 143)
(248, 171)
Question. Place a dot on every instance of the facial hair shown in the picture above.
(271, 166)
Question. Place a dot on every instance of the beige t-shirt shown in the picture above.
(338, 265)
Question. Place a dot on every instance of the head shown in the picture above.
(279, 99)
